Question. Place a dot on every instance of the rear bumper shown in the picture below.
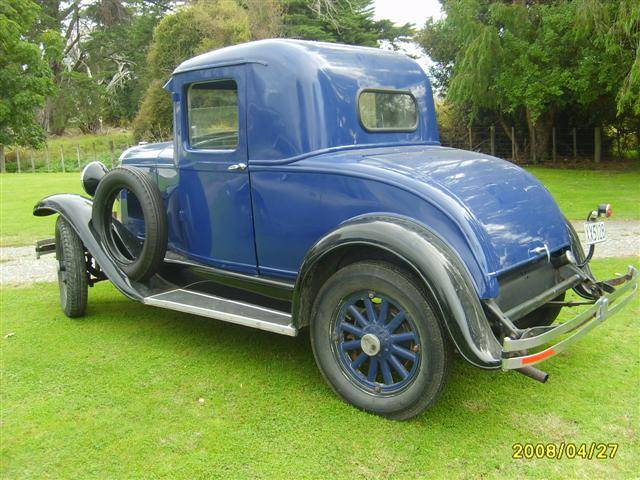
(516, 352)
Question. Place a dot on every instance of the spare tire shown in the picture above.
(139, 258)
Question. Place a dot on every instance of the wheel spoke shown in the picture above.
(350, 345)
(350, 328)
(384, 311)
(373, 369)
(371, 311)
(404, 353)
(386, 372)
(397, 366)
(395, 322)
(359, 360)
(357, 316)
(403, 337)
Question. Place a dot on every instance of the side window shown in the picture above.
(387, 111)
(213, 115)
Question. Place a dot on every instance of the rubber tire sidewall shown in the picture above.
(70, 250)
(384, 279)
(155, 224)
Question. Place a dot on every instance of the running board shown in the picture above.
(232, 311)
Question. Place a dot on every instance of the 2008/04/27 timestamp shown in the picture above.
(586, 451)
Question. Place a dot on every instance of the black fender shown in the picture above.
(438, 266)
(76, 209)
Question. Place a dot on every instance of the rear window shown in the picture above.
(387, 111)
(213, 115)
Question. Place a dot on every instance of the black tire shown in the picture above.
(541, 317)
(72, 270)
(432, 369)
(145, 263)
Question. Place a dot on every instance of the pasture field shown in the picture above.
(132, 391)
(576, 191)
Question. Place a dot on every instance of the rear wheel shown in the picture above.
(72, 270)
(378, 342)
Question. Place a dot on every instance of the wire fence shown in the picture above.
(62, 158)
(562, 145)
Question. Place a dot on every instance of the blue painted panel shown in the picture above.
(212, 205)
(302, 96)
(515, 211)
(294, 208)
(312, 166)
(492, 213)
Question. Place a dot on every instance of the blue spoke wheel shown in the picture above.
(377, 340)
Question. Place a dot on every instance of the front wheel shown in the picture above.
(72, 270)
(378, 342)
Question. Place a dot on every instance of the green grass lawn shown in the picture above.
(576, 191)
(116, 395)
(92, 147)
(18, 195)
(579, 191)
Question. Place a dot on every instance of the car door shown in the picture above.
(214, 190)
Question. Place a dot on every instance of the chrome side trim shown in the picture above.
(231, 311)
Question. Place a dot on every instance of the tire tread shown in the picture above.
(71, 248)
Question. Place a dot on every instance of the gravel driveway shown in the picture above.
(18, 265)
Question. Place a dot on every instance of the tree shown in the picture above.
(115, 51)
(24, 76)
(104, 40)
(615, 28)
(201, 27)
(529, 61)
(62, 20)
(341, 21)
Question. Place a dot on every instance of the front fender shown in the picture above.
(436, 264)
(76, 209)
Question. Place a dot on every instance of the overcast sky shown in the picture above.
(409, 11)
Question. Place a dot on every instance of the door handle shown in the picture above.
(237, 166)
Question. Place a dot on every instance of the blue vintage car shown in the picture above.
(306, 187)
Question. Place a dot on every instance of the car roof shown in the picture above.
(297, 52)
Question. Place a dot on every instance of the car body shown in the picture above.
(292, 159)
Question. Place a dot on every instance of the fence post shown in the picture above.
(18, 159)
(46, 157)
(553, 141)
(470, 139)
(513, 144)
(33, 165)
(597, 147)
(575, 143)
(111, 149)
(62, 159)
(78, 155)
(3, 166)
(493, 140)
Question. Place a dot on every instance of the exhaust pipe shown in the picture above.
(533, 372)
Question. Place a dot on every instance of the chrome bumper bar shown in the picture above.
(515, 351)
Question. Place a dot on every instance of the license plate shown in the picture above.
(594, 232)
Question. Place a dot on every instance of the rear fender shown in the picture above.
(441, 270)
(76, 209)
